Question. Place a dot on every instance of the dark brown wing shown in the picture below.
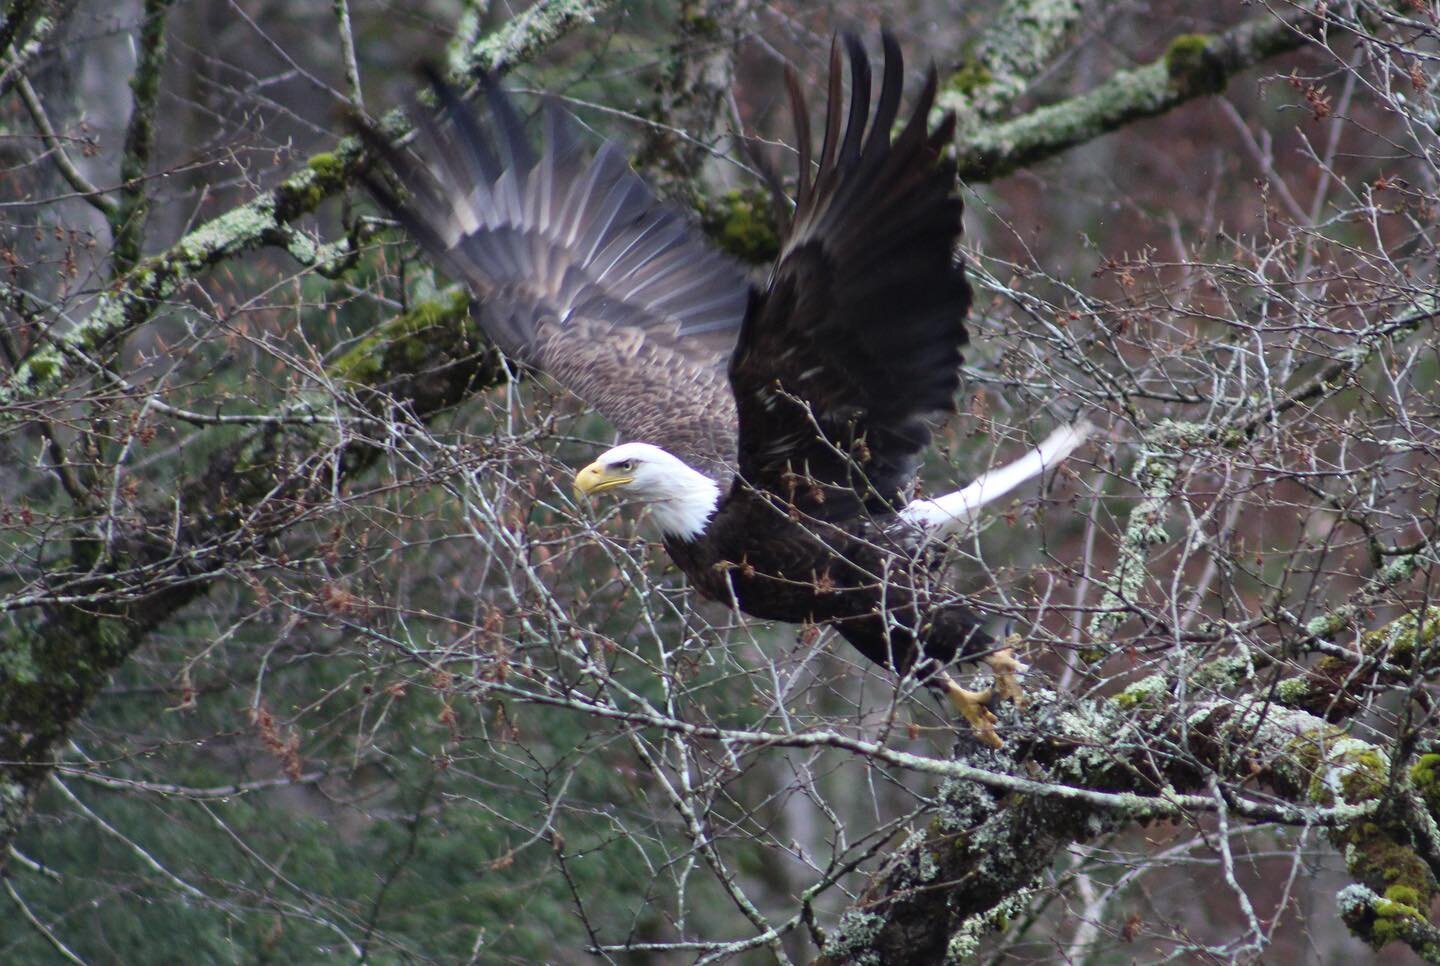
(577, 269)
(856, 340)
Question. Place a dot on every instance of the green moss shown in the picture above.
(1425, 776)
(742, 222)
(1405, 636)
(1365, 775)
(1425, 773)
(1293, 692)
(324, 175)
(302, 193)
(43, 366)
(449, 308)
(1191, 66)
(1317, 759)
(326, 165)
(697, 24)
(1186, 50)
(52, 668)
(969, 78)
(1381, 920)
(1394, 915)
(408, 341)
(1374, 844)
(17, 663)
(1377, 860)
(1404, 895)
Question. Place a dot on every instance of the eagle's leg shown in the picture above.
(971, 705)
(1007, 671)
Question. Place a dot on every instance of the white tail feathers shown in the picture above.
(944, 515)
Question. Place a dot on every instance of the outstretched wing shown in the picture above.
(577, 269)
(856, 340)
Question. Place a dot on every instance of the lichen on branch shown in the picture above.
(1193, 66)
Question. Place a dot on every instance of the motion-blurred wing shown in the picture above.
(577, 269)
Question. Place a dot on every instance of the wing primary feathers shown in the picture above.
(856, 340)
(518, 153)
(559, 160)
(471, 139)
(859, 98)
(419, 214)
(622, 193)
(889, 105)
(916, 129)
(577, 268)
(802, 135)
(833, 107)
(600, 171)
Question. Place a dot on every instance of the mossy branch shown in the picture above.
(1409, 644)
(1193, 66)
(24, 26)
(1369, 914)
(1155, 473)
(1334, 689)
(522, 38)
(1310, 762)
(127, 221)
(959, 878)
(259, 223)
(133, 300)
(1006, 59)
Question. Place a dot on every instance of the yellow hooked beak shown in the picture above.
(596, 478)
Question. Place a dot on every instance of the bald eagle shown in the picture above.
(774, 429)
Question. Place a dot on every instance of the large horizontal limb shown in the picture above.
(1095, 766)
(1194, 66)
(948, 887)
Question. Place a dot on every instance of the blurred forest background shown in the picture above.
(308, 654)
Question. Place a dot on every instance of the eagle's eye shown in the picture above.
(625, 466)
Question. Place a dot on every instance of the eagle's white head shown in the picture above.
(679, 497)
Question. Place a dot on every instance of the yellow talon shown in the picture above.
(1007, 671)
(971, 705)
